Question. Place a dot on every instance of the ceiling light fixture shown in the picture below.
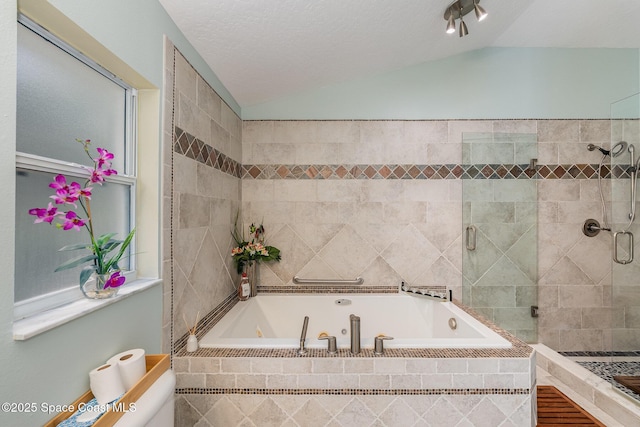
(457, 10)
(451, 24)
(480, 12)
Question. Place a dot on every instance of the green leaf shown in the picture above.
(85, 273)
(75, 262)
(111, 245)
(104, 239)
(122, 250)
(75, 247)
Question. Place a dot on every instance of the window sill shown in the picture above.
(31, 326)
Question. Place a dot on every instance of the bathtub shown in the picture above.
(275, 321)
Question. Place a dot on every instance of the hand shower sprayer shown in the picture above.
(614, 152)
(592, 147)
(591, 226)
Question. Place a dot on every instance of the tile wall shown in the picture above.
(342, 199)
(320, 391)
(388, 228)
(201, 197)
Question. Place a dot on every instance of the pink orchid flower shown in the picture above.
(71, 220)
(104, 158)
(45, 215)
(98, 174)
(59, 183)
(115, 280)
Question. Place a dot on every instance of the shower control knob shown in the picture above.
(378, 344)
(591, 228)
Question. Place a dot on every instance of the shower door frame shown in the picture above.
(499, 202)
(625, 278)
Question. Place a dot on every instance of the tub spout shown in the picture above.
(355, 333)
(303, 336)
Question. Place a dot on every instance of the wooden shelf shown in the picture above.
(157, 364)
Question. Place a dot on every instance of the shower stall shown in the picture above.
(620, 363)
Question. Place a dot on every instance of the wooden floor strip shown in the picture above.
(632, 383)
(556, 409)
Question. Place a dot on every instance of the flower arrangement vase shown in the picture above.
(251, 269)
(94, 288)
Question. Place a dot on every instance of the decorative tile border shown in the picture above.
(434, 171)
(192, 147)
(357, 392)
(326, 289)
(206, 323)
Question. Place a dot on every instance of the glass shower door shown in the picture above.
(499, 262)
(625, 224)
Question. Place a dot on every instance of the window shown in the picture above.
(61, 96)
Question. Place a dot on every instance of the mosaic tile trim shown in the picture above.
(518, 349)
(190, 146)
(324, 289)
(607, 370)
(207, 322)
(193, 148)
(599, 353)
(357, 392)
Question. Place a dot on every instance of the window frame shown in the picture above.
(127, 177)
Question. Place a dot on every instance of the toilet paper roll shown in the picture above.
(106, 384)
(132, 366)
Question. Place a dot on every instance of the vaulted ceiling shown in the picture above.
(262, 50)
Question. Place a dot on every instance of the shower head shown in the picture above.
(617, 149)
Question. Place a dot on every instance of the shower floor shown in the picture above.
(606, 365)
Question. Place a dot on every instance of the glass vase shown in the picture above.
(94, 288)
(252, 274)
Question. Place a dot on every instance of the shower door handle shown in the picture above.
(471, 234)
(615, 247)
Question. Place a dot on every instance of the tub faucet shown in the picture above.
(303, 336)
(355, 333)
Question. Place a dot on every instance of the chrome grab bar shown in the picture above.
(615, 247)
(471, 234)
(299, 281)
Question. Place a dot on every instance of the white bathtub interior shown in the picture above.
(275, 321)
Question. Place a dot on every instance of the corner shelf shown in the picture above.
(157, 364)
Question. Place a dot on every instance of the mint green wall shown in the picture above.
(53, 367)
(491, 83)
(134, 30)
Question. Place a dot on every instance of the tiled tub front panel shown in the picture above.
(354, 410)
(354, 391)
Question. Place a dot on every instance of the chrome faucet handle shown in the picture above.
(331, 343)
(378, 344)
(303, 336)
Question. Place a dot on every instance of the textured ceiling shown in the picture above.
(262, 50)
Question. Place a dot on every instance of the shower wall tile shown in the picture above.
(581, 340)
(596, 132)
(580, 296)
(558, 131)
(515, 126)
(200, 197)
